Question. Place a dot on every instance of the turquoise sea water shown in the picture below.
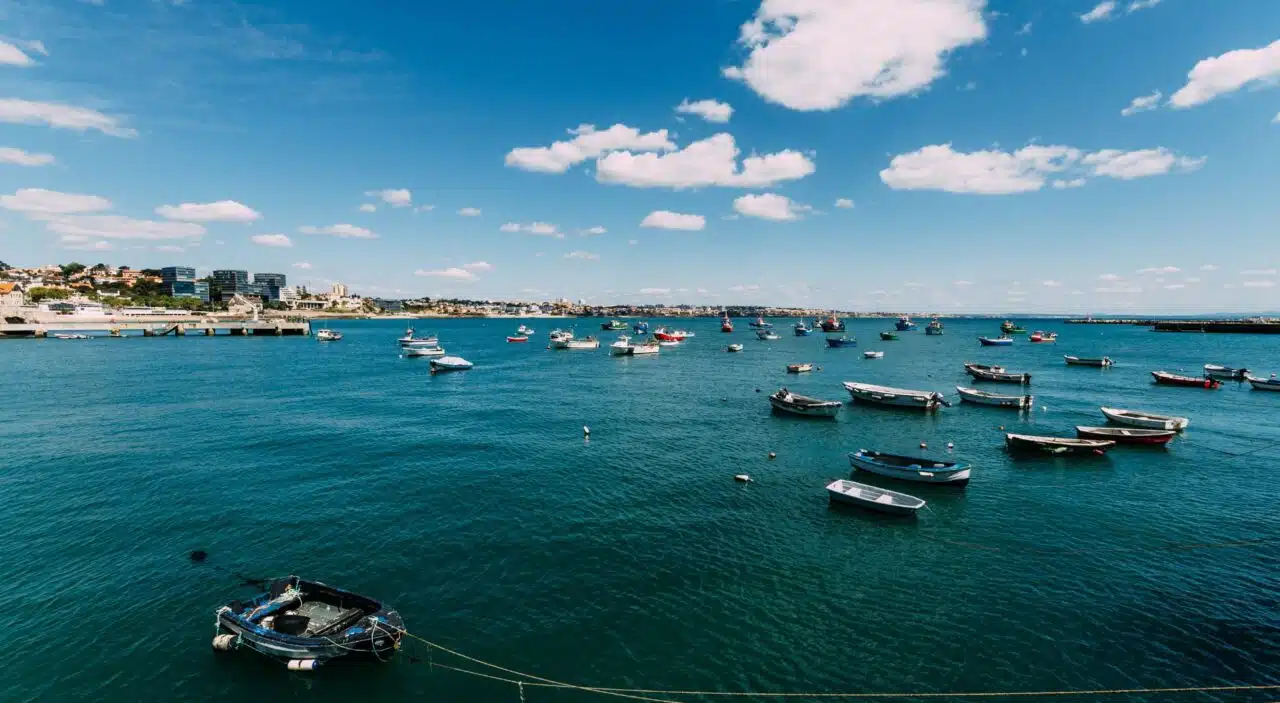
(472, 503)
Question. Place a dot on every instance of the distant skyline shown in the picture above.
(957, 156)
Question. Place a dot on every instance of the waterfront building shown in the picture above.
(271, 279)
(180, 282)
(12, 295)
(339, 291)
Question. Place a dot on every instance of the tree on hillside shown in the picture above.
(71, 269)
(4, 266)
(40, 293)
(151, 272)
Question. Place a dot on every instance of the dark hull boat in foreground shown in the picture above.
(1126, 435)
(1171, 379)
(1100, 362)
(1056, 445)
(983, 372)
(1225, 372)
(909, 468)
(307, 623)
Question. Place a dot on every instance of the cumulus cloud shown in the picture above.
(11, 55)
(79, 243)
(820, 54)
(1101, 11)
(844, 203)
(1159, 269)
(587, 143)
(272, 240)
(1070, 183)
(302, 265)
(582, 256)
(770, 206)
(480, 266)
(395, 197)
(593, 231)
(1220, 75)
(1142, 104)
(120, 227)
(655, 291)
(1127, 165)
(469, 212)
(9, 155)
(665, 219)
(1136, 5)
(39, 200)
(710, 162)
(368, 207)
(340, 230)
(541, 229)
(709, 110)
(221, 211)
(457, 274)
(60, 116)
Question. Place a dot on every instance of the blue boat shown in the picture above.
(908, 468)
(904, 324)
(996, 342)
(641, 327)
(838, 342)
(801, 330)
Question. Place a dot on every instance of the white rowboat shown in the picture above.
(896, 397)
(1263, 384)
(1150, 421)
(870, 497)
(973, 395)
(450, 363)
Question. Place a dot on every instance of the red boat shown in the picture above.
(665, 335)
(726, 325)
(831, 324)
(1039, 336)
(517, 339)
(1170, 379)
(1126, 435)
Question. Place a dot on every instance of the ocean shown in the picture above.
(473, 503)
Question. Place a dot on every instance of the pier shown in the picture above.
(161, 327)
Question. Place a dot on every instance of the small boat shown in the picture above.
(831, 324)
(409, 340)
(841, 342)
(889, 336)
(308, 623)
(622, 347)
(560, 335)
(1056, 445)
(1150, 421)
(733, 348)
(760, 324)
(450, 363)
(586, 343)
(973, 395)
(1008, 327)
(896, 397)
(873, 355)
(1100, 362)
(115, 333)
(516, 339)
(1165, 378)
(524, 331)
(996, 341)
(665, 335)
(789, 402)
(1263, 384)
(327, 335)
(647, 347)
(996, 373)
(934, 327)
(799, 368)
(1225, 372)
(668, 343)
(904, 324)
(71, 336)
(766, 335)
(908, 468)
(802, 330)
(1126, 435)
(1041, 337)
(641, 327)
(870, 497)
(424, 351)
(613, 326)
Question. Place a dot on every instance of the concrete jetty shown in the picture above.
(162, 327)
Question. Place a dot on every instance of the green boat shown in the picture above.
(888, 336)
(1010, 328)
(613, 326)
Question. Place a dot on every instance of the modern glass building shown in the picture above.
(180, 282)
(173, 274)
(271, 279)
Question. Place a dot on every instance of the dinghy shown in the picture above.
(450, 363)
(1041, 337)
(1126, 435)
(1101, 362)
(786, 401)
(872, 498)
(1165, 378)
(841, 342)
(996, 341)
(799, 368)
(873, 355)
(733, 348)
(973, 395)
(1225, 372)
(423, 351)
(517, 338)
(987, 373)
(888, 336)
(766, 335)
(1056, 445)
(895, 397)
(571, 343)
(1150, 421)
(908, 468)
(1263, 384)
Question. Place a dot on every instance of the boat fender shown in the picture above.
(951, 445)
(303, 664)
(224, 643)
(586, 431)
(924, 445)
(743, 478)
(1002, 428)
(773, 455)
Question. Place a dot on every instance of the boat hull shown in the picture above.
(998, 376)
(1057, 446)
(825, 410)
(894, 397)
(516, 340)
(888, 336)
(841, 343)
(1166, 379)
(1263, 384)
(926, 472)
(1099, 363)
(933, 331)
(1145, 420)
(1127, 436)
(988, 342)
(871, 498)
(1224, 373)
(1015, 402)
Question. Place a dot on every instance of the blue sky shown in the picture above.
(949, 155)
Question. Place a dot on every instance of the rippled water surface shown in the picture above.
(472, 503)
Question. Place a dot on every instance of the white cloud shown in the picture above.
(1209, 267)
(1142, 104)
(395, 197)
(11, 55)
(80, 243)
(302, 265)
(701, 291)
(1258, 272)
(119, 227)
(457, 274)
(655, 291)
(1101, 11)
(1072, 183)
(35, 45)
(170, 248)
(845, 203)
(1175, 286)
(820, 54)
(340, 230)
(1259, 284)
(913, 284)
(748, 288)
(770, 206)
(587, 143)
(39, 200)
(1213, 77)
(1160, 269)
(478, 266)
(1127, 165)
(368, 207)
(221, 211)
(541, 229)
(710, 162)
(9, 155)
(424, 208)
(1119, 288)
(709, 110)
(593, 231)
(1108, 277)
(272, 240)
(1052, 284)
(469, 212)
(79, 119)
(1137, 5)
(582, 255)
(1025, 29)
(665, 219)
(962, 283)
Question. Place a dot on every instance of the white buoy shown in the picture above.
(743, 478)
(586, 431)
(951, 445)
(303, 664)
(224, 643)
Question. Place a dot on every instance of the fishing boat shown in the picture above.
(1225, 372)
(665, 335)
(895, 397)
(423, 351)
(831, 324)
(760, 324)
(801, 330)
(1056, 445)
(450, 363)
(973, 395)
(1165, 378)
(586, 343)
(641, 327)
(1263, 384)
(888, 336)
(524, 331)
(622, 347)
(1042, 337)
(613, 326)
(308, 623)
(786, 401)
(1100, 362)
(645, 347)
(799, 368)
(726, 325)
(909, 468)
(841, 342)
(904, 324)
(767, 336)
(1150, 421)
(517, 338)
(324, 335)
(733, 348)
(873, 355)
(983, 372)
(996, 341)
(1126, 435)
(409, 340)
(872, 498)
(560, 335)
(934, 327)
(1007, 327)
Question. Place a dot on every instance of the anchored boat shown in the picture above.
(424, 351)
(1165, 378)
(733, 348)
(1041, 337)
(934, 327)
(766, 335)
(873, 355)
(839, 342)
(801, 330)
(1126, 435)
(1100, 362)
(873, 498)
(409, 340)
(789, 402)
(895, 397)
(973, 395)
(799, 368)
(996, 341)
(1056, 445)
(889, 336)
(1151, 421)
(760, 324)
(450, 363)
(904, 324)
(323, 335)
(983, 372)
(613, 326)
(1007, 327)
(832, 324)
(908, 468)
(1225, 372)
(1263, 384)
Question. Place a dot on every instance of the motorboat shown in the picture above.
(831, 324)
(873, 498)
(1056, 445)
(801, 330)
(841, 342)
(733, 348)
(873, 355)
(973, 395)
(640, 327)
(1263, 384)
(909, 468)
(621, 347)
(1100, 362)
(889, 336)
(933, 328)
(1150, 421)
(646, 347)
(115, 333)
(760, 324)
(1165, 378)
(895, 397)
(983, 372)
(308, 623)
(327, 335)
(71, 336)
(786, 401)
(517, 338)
(613, 326)
(1008, 327)
(662, 334)
(450, 363)
(904, 324)
(524, 331)
(585, 343)
(996, 341)
(423, 351)
(1126, 435)
(560, 335)
(799, 368)
(1042, 337)
(765, 335)
(1225, 372)
(409, 340)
